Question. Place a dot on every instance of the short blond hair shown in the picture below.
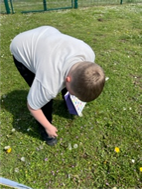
(88, 80)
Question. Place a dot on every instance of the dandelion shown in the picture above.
(6, 147)
(107, 78)
(41, 147)
(23, 159)
(75, 145)
(69, 146)
(13, 130)
(16, 170)
(140, 169)
(28, 129)
(133, 161)
(117, 150)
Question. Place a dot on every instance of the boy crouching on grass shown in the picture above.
(52, 62)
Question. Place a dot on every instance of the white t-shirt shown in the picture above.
(49, 54)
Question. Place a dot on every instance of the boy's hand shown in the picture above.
(52, 131)
(40, 117)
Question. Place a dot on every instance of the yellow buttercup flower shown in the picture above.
(140, 169)
(8, 150)
(117, 150)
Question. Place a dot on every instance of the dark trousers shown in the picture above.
(29, 77)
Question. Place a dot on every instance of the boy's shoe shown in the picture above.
(50, 141)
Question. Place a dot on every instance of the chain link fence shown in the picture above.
(45, 5)
(83, 3)
(35, 5)
(2, 7)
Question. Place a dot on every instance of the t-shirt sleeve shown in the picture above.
(38, 95)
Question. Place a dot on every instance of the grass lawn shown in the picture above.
(86, 155)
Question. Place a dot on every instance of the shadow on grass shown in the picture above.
(15, 103)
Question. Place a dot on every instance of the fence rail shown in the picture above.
(25, 6)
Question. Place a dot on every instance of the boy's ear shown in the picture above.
(68, 79)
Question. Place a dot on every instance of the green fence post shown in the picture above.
(75, 4)
(44, 5)
(7, 6)
(11, 3)
(121, 2)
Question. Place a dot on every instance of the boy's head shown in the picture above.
(85, 80)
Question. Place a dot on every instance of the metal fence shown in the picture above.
(13, 6)
(83, 3)
(2, 7)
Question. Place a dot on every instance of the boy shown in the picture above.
(51, 62)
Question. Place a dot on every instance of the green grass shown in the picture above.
(113, 120)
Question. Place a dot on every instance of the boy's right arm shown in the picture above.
(40, 117)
